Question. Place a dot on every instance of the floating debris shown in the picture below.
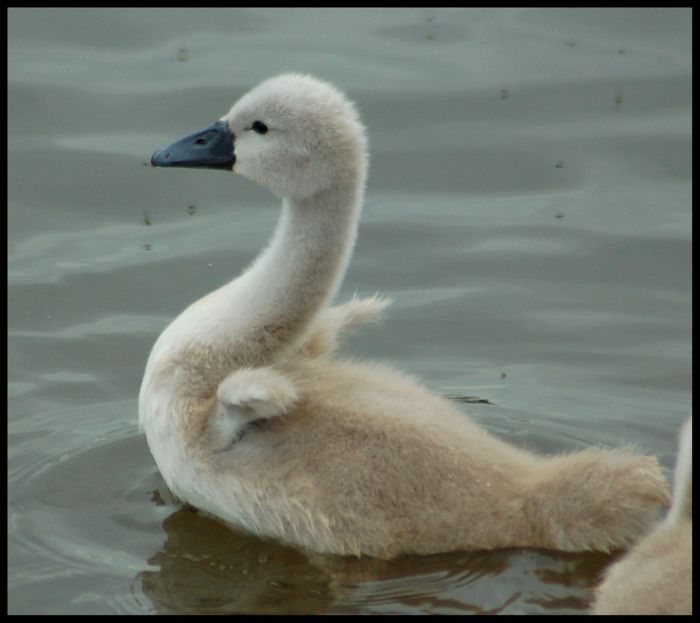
(183, 55)
(559, 164)
(571, 42)
(191, 210)
(559, 215)
(146, 218)
(503, 375)
(504, 94)
(619, 99)
(147, 246)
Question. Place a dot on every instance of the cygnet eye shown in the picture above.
(259, 127)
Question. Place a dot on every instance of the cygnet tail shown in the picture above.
(596, 499)
(682, 504)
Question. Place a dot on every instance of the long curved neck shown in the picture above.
(302, 267)
(253, 319)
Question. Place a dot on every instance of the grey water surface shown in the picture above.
(528, 209)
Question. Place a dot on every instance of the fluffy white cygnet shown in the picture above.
(656, 576)
(252, 416)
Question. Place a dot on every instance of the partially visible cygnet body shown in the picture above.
(656, 575)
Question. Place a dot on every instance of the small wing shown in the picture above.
(248, 395)
(334, 321)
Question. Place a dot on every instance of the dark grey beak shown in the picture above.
(208, 149)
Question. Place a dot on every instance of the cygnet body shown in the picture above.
(252, 416)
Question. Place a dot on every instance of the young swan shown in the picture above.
(656, 577)
(251, 417)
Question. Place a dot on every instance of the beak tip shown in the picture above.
(159, 159)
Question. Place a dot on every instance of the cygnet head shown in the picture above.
(293, 134)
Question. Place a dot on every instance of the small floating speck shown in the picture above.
(147, 246)
(559, 215)
(503, 375)
(621, 50)
(571, 42)
(619, 99)
(429, 33)
(504, 94)
(191, 210)
(559, 164)
(146, 218)
(183, 55)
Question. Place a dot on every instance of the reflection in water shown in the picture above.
(207, 567)
(493, 582)
(577, 572)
